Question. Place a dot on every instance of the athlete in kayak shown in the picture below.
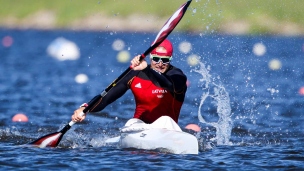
(159, 88)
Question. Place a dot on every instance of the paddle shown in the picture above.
(53, 139)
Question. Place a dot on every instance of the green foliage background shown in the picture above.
(264, 16)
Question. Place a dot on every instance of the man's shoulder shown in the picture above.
(174, 69)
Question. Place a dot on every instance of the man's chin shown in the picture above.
(160, 70)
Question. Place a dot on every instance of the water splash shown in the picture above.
(221, 98)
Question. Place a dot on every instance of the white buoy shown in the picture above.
(63, 49)
(81, 78)
(185, 47)
(118, 45)
(259, 49)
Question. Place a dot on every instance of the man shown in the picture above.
(159, 88)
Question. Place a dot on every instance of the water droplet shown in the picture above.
(194, 10)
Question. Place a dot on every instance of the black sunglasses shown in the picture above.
(158, 59)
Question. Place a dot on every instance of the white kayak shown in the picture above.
(163, 135)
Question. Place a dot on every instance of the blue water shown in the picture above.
(252, 115)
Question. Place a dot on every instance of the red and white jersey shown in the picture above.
(155, 94)
(153, 101)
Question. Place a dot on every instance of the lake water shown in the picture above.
(246, 91)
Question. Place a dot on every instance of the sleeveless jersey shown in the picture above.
(153, 101)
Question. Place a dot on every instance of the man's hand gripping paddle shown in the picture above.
(53, 139)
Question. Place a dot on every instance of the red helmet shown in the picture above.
(167, 45)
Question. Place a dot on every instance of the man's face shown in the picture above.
(160, 63)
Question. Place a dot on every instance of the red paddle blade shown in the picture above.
(168, 27)
(50, 140)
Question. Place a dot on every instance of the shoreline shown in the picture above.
(148, 23)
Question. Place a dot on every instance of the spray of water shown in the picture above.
(221, 98)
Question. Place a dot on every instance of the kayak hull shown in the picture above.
(162, 135)
(162, 140)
